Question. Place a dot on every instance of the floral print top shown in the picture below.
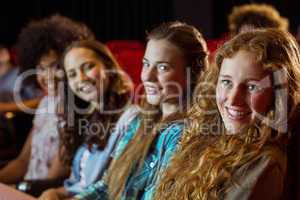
(45, 140)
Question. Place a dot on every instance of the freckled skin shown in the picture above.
(243, 87)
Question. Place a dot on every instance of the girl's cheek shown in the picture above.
(220, 95)
(93, 73)
(261, 102)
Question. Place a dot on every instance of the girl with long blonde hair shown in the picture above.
(235, 145)
(175, 55)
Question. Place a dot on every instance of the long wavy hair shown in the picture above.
(208, 157)
(115, 98)
(191, 43)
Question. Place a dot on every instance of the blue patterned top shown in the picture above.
(141, 184)
(89, 166)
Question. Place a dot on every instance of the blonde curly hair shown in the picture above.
(204, 165)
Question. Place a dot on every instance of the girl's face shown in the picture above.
(163, 74)
(244, 90)
(47, 69)
(86, 74)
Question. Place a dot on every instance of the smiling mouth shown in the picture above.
(237, 114)
(151, 90)
(86, 88)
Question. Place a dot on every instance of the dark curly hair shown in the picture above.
(52, 33)
(256, 15)
(116, 98)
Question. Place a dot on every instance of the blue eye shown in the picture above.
(226, 83)
(146, 65)
(162, 67)
(253, 88)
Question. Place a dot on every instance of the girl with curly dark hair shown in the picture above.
(40, 46)
(97, 93)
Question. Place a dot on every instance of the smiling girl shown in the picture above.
(257, 77)
(40, 45)
(96, 93)
(174, 51)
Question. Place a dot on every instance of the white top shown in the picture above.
(45, 139)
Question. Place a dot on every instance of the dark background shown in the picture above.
(129, 19)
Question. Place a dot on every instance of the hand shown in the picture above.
(50, 194)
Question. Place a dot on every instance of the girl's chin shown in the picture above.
(236, 129)
(89, 97)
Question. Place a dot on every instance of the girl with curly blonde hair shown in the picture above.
(235, 145)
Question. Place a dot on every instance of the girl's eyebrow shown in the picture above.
(225, 76)
(163, 62)
(69, 70)
(254, 79)
(85, 63)
(158, 62)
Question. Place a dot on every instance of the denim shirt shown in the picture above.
(141, 184)
(89, 165)
(96, 161)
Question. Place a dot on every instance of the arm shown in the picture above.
(15, 170)
(14, 107)
(55, 178)
(54, 194)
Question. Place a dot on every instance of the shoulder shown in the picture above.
(126, 121)
(47, 104)
(265, 173)
(43, 102)
(273, 156)
(271, 159)
(125, 129)
(129, 114)
(272, 174)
